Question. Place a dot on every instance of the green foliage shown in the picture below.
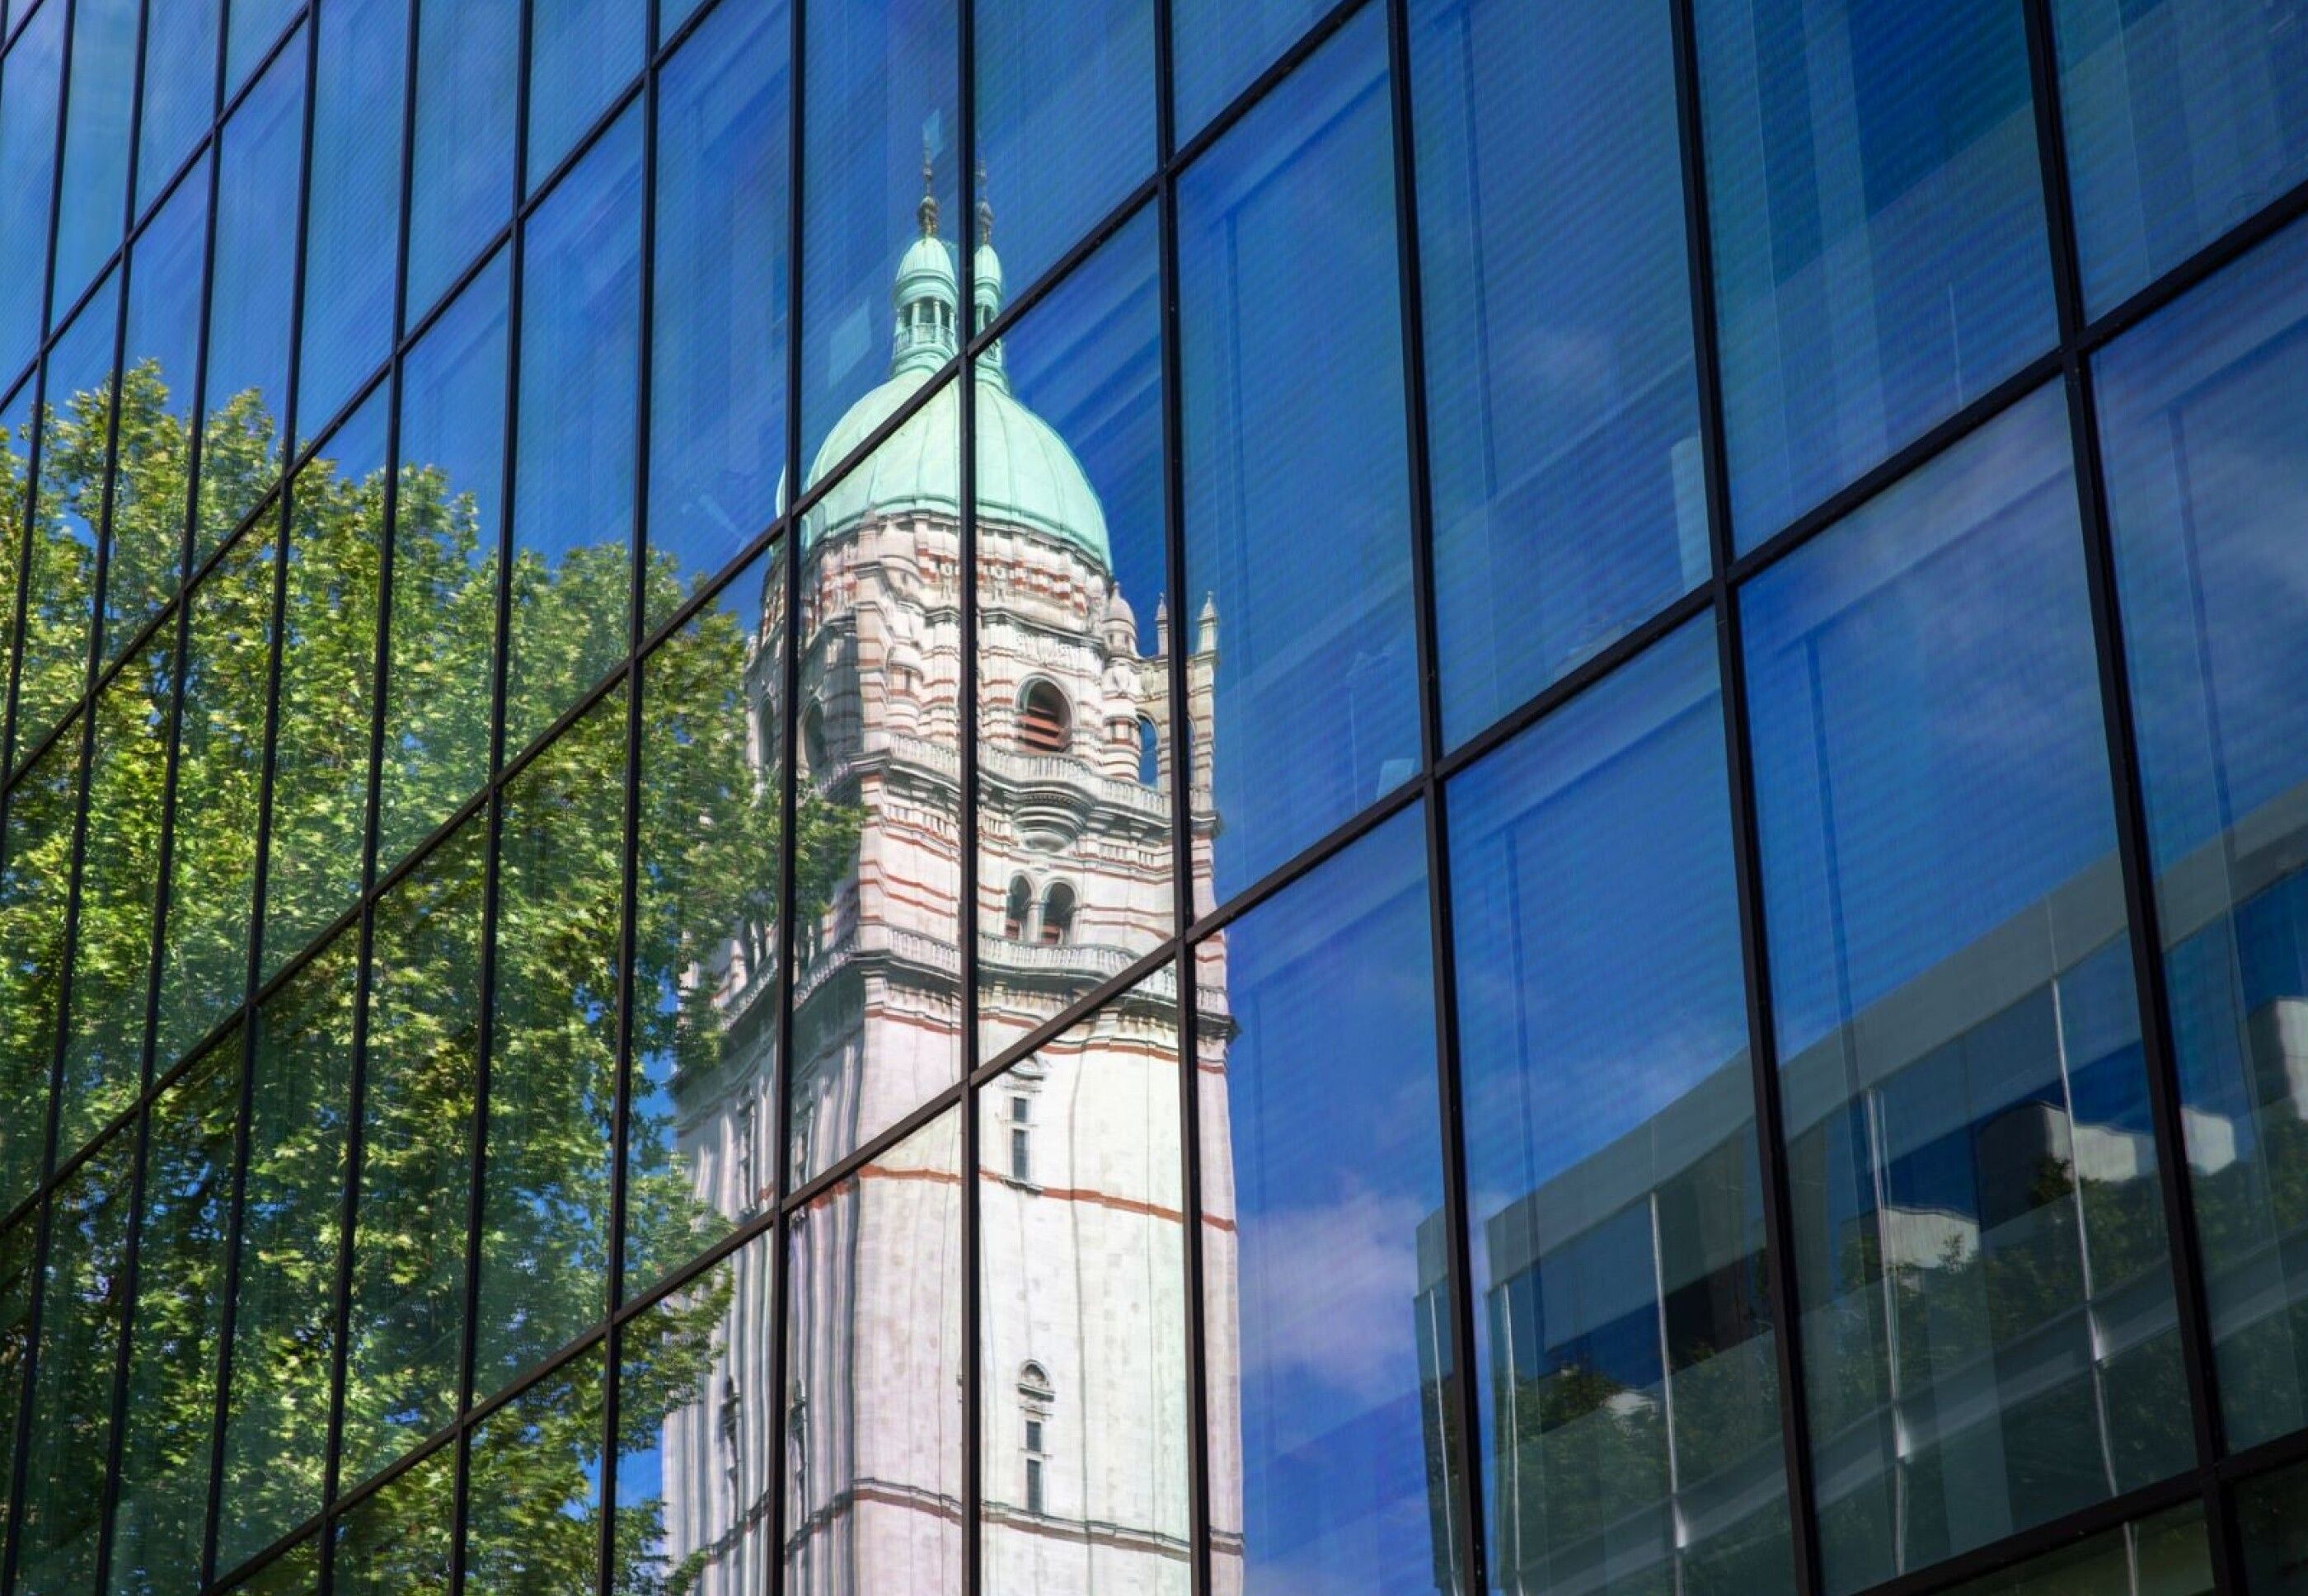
(710, 822)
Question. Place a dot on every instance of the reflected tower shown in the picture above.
(1075, 881)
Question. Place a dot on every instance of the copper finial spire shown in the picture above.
(928, 209)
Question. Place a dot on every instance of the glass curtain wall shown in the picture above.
(991, 797)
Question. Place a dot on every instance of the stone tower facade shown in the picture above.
(1082, 1288)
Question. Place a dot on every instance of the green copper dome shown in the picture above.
(1027, 476)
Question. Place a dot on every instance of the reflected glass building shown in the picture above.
(974, 797)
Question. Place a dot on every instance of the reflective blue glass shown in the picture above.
(1219, 47)
(1296, 488)
(245, 394)
(1630, 1379)
(1326, 1286)
(180, 54)
(350, 227)
(445, 554)
(2184, 117)
(254, 27)
(1878, 216)
(2204, 419)
(159, 361)
(29, 81)
(879, 99)
(1086, 362)
(461, 187)
(67, 514)
(92, 200)
(1989, 1336)
(1066, 121)
(1562, 406)
(717, 349)
(573, 470)
(581, 53)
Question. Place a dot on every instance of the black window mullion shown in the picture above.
(1762, 1050)
(781, 1117)
(973, 1483)
(2134, 855)
(1458, 1406)
(476, 1194)
(1182, 821)
(628, 931)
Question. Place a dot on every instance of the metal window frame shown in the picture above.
(2211, 1483)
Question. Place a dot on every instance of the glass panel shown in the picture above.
(404, 1348)
(700, 1130)
(582, 51)
(2206, 431)
(1569, 503)
(696, 1435)
(1073, 846)
(873, 1421)
(1293, 441)
(461, 175)
(2164, 1556)
(284, 1328)
(180, 1263)
(1631, 1420)
(254, 27)
(1325, 1274)
(328, 669)
(573, 482)
(19, 1260)
(717, 361)
(880, 102)
(1083, 1433)
(296, 1572)
(159, 364)
(1878, 219)
(1065, 124)
(534, 1494)
(180, 63)
(68, 510)
(1219, 48)
(119, 886)
(219, 787)
(446, 550)
(553, 1061)
(1988, 1324)
(71, 1431)
(877, 1001)
(2272, 1525)
(397, 1542)
(352, 229)
(93, 195)
(245, 394)
(28, 147)
(35, 878)
(2184, 117)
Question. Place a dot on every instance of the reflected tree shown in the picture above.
(715, 792)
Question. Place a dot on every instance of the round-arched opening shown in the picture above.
(1057, 914)
(1016, 907)
(1045, 720)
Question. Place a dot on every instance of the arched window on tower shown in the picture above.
(1035, 1398)
(1057, 914)
(1149, 754)
(1016, 908)
(1045, 723)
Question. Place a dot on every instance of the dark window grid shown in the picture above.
(86, 725)
(82, 292)
(2076, 344)
(349, 1216)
